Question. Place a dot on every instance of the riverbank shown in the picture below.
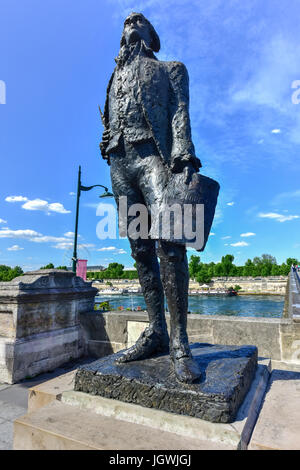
(272, 285)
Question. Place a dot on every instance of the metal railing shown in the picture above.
(296, 274)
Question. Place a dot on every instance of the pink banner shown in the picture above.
(81, 268)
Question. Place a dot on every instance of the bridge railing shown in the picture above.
(296, 274)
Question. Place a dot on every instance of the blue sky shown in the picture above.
(56, 59)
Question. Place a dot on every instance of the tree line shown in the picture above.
(7, 273)
(264, 265)
(113, 271)
(260, 266)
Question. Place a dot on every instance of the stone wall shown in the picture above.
(276, 338)
(259, 285)
(39, 322)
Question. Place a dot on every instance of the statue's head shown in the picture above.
(137, 28)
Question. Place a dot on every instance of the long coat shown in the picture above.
(163, 90)
(163, 93)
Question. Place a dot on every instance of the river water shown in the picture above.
(270, 306)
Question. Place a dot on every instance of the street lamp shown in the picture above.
(79, 189)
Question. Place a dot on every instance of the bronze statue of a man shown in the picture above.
(147, 139)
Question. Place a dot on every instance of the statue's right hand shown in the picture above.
(104, 143)
(106, 136)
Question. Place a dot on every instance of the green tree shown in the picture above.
(268, 259)
(7, 273)
(203, 276)
(115, 270)
(227, 264)
(194, 266)
(276, 270)
(48, 266)
(248, 268)
(105, 305)
(284, 269)
(291, 261)
(218, 270)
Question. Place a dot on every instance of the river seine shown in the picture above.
(241, 305)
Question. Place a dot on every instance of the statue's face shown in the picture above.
(136, 29)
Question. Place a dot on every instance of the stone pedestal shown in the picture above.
(227, 374)
(61, 418)
(39, 322)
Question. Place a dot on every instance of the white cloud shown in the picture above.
(48, 238)
(15, 248)
(16, 199)
(239, 244)
(226, 238)
(248, 234)
(211, 234)
(38, 205)
(277, 217)
(64, 245)
(70, 234)
(119, 251)
(283, 197)
(72, 194)
(35, 237)
(27, 234)
(269, 82)
(58, 207)
(41, 205)
(230, 203)
(107, 248)
(2, 221)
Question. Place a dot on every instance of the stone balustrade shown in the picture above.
(39, 322)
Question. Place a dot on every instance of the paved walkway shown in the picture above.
(14, 399)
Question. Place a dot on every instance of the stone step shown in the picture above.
(278, 424)
(58, 426)
(61, 418)
(46, 392)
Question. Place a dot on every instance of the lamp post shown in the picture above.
(79, 189)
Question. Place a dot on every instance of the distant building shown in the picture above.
(93, 269)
